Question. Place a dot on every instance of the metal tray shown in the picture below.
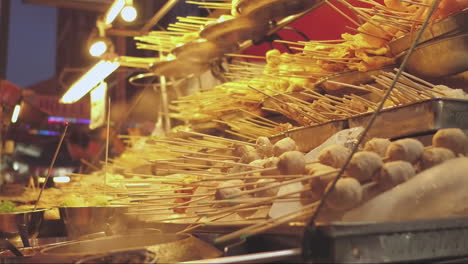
(178, 68)
(439, 58)
(455, 23)
(350, 77)
(417, 118)
(389, 242)
(308, 138)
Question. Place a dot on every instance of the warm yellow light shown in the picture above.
(98, 48)
(114, 11)
(16, 112)
(62, 179)
(89, 80)
(129, 14)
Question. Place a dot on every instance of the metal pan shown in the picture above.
(202, 51)
(22, 225)
(169, 248)
(236, 30)
(439, 58)
(453, 24)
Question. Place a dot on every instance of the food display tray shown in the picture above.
(416, 119)
(432, 240)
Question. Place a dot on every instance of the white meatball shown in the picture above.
(394, 173)
(408, 149)
(284, 145)
(346, 194)
(264, 147)
(435, 155)
(223, 193)
(334, 156)
(266, 183)
(452, 138)
(364, 165)
(271, 163)
(377, 145)
(291, 163)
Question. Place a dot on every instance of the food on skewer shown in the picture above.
(435, 155)
(346, 194)
(284, 145)
(291, 163)
(264, 147)
(269, 192)
(407, 149)
(271, 163)
(452, 138)
(334, 156)
(364, 165)
(222, 193)
(394, 173)
(377, 145)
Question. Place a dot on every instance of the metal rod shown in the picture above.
(264, 257)
(160, 14)
(49, 172)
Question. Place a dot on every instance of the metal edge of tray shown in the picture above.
(439, 58)
(321, 132)
(350, 77)
(202, 50)
(274, 9)
(416, 118)
(457, 22)
(363, 242)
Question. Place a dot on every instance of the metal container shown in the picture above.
(82, 221)
(177, 68)
(439, 58)
(169, 248)
(236, 30)
(202, 51)
(308, 138)
(22, 225)
(389, 242)
(450, 25)
(126, 256)
(417, 118)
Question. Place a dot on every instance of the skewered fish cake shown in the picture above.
(394, 173)
(434, 155)
(364, 165)
(451, 138)
(291, 163)
(346, 194)
(222, 194)
(284, 145)
(407, 149)
(377, 145)
(334, 156)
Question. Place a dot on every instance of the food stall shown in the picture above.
(348, 150)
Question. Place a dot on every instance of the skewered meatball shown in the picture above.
(271, 163)
(408, 149)
(434, 155)
(346, 194)
(269, 192)
(249, 156)
(394, 173)
(264, 147)
(221, 194)
(377, 145)
(284, 145)
(241, 150)
(451, 138)
(317, 168)
(334, 156)
(291, 163)
(364, 165)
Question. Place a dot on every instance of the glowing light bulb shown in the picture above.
(98, 48)
(114, 11)
(89, 80)
(129, 13)
(61, 179)
(16, 112)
